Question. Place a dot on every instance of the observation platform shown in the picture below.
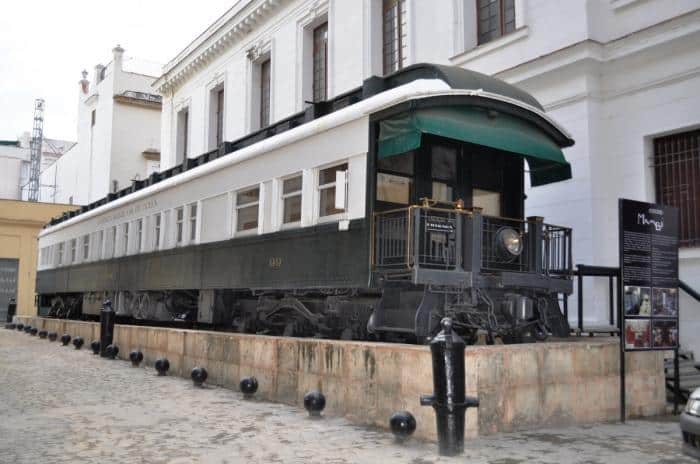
(520, 387)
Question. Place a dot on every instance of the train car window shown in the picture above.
(326, 190)
(291, 200)
(156, 231)
(179, 218)
(139, 234)
(488, 201)
(59, 254)
(98, 244)
(114, 241)
(193, 221)
(73, 246)
(443, 161)
(247, 203)
(125, 239)
(399, 164)
(394, 189)
(86, 247)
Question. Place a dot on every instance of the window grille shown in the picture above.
(496, 18)
(677, 178)
(394, 31)
(320, 62)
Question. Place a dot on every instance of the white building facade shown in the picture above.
(118, 134)
(621, 76)
(15, 162)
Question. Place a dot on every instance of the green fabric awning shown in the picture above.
(474, 125)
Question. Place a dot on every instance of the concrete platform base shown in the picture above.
(520, 387)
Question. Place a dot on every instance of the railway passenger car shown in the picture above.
(372, 214)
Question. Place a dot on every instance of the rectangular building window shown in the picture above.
(73, 250)
(247, 204)
(156, 231)
(219, 116)
(139, 234)
(93, 117)
(179, 219)
(193, 221)
(677, 179)
(265, 79)
(320, 62)
(86, 247)
(59, 254)
(291, 200)
(326, 189)
(183, 130)
(394, 31)
(496, 18)
(125, 239)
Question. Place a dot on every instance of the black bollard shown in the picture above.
(19, 326)
(314, 402)
(249, 385)
(136, 357)
(95, 346)
(162, 365)
(34, 331)
(53, 336)
(111, 351)
(449, 399)
(107, 316)
(199, 376)
(10, 326)
(402, 424)
(78, 342)
(27, 328)
(65, 339)
(43, 333)
(11, 310)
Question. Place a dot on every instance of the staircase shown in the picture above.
(689, 370)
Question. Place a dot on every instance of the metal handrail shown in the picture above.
(689, 290)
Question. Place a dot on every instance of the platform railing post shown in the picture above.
(107, 317)
(449, 396)
(579, 290)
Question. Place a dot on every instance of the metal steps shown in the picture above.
(689, 371)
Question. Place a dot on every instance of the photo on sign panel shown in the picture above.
(665, 302)
(637, 333)
(637, 301)
(665, 334)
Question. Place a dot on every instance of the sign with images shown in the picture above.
(649, 266)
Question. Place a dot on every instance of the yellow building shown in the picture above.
(20, 224)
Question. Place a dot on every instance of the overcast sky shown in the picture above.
(45, 44)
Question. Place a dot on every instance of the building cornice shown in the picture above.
(228, 30)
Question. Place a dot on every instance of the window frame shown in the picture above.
(179, 226)
(502, 32)
(283, 196)
(192, 221)
(139, 235)
(86, 247)
(265, 97)
(125, 239)
(157, 226)
(73, 250)
(398, 40)
(318, 93)
(237, 207)
(59, 254)
(319, 187)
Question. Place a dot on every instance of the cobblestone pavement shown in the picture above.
(59, 405)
